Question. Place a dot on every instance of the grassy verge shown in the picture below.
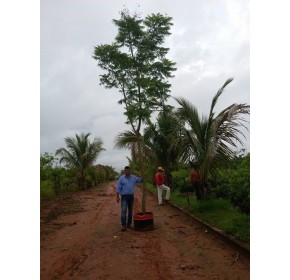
(217, 212)
(48, 192)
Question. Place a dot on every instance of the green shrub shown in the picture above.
(46, 190)
(221, 191)
(180, 174)
(219, 213)
(180, 180)
(240, 227)
(233, 183)
(240, 197)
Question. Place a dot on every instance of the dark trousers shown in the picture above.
(127, 202)
(198, 189)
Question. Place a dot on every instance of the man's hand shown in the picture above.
(118, 198)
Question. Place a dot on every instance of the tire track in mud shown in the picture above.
(152, 254)
(78, 258)
(180, 248)
(69, 249)
(95, 248)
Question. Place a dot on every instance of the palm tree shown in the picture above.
(209, 140)
(159, 137)
(141, 154)
(80, 154)
(157, 148)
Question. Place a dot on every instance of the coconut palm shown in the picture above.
(157, 143)
(141, 154)
(159, 136)
(138, 146)
(80, 154)
(209, 140)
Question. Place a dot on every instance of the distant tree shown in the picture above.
(80, 154)
(136, 64)
(208, 141)
(46, 165)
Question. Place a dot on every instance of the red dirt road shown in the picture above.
(81, 239)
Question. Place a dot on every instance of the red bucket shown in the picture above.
(143, 221)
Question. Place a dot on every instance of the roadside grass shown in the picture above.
(48, 192)
(219, 213)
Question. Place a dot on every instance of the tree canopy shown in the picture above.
(136, 64)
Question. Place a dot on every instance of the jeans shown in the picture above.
(127, 201)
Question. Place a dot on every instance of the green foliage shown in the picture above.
(222, 214)
(234, 183)
(46, 166)
(80, 155)
(219, 213)
(240, 196)
(180, 174)
(136, 64)
(56, 180)
(209, 141)
(205, 206)
(46, 190)
(181, 180)
(158, 138)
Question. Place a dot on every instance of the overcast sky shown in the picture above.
(210, 42)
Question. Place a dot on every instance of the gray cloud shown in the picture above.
(209, 43)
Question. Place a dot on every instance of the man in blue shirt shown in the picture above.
(125, 189)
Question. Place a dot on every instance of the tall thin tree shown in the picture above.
(136, 64)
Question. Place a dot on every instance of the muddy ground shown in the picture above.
(81, 239)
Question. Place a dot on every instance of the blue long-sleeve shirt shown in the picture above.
(126, 185)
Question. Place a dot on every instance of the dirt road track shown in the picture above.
(81, 239)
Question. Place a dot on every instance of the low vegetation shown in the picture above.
(56, 180)
(219, 213)
(229, 205)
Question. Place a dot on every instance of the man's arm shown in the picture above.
(118, 197)
(118, 190)
(139, 180)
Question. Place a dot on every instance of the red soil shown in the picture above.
(81, 239)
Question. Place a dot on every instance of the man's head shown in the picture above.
(127, 170)
(160, 169)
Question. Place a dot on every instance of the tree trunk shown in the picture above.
(141, 157)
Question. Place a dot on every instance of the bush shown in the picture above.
(240, 228)
(221, 191)
(46, 190)
(185, 187)
(181, 181)
(240, 197)
(240, 186)
(234, 183)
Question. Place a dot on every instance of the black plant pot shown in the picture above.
(143, 222)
